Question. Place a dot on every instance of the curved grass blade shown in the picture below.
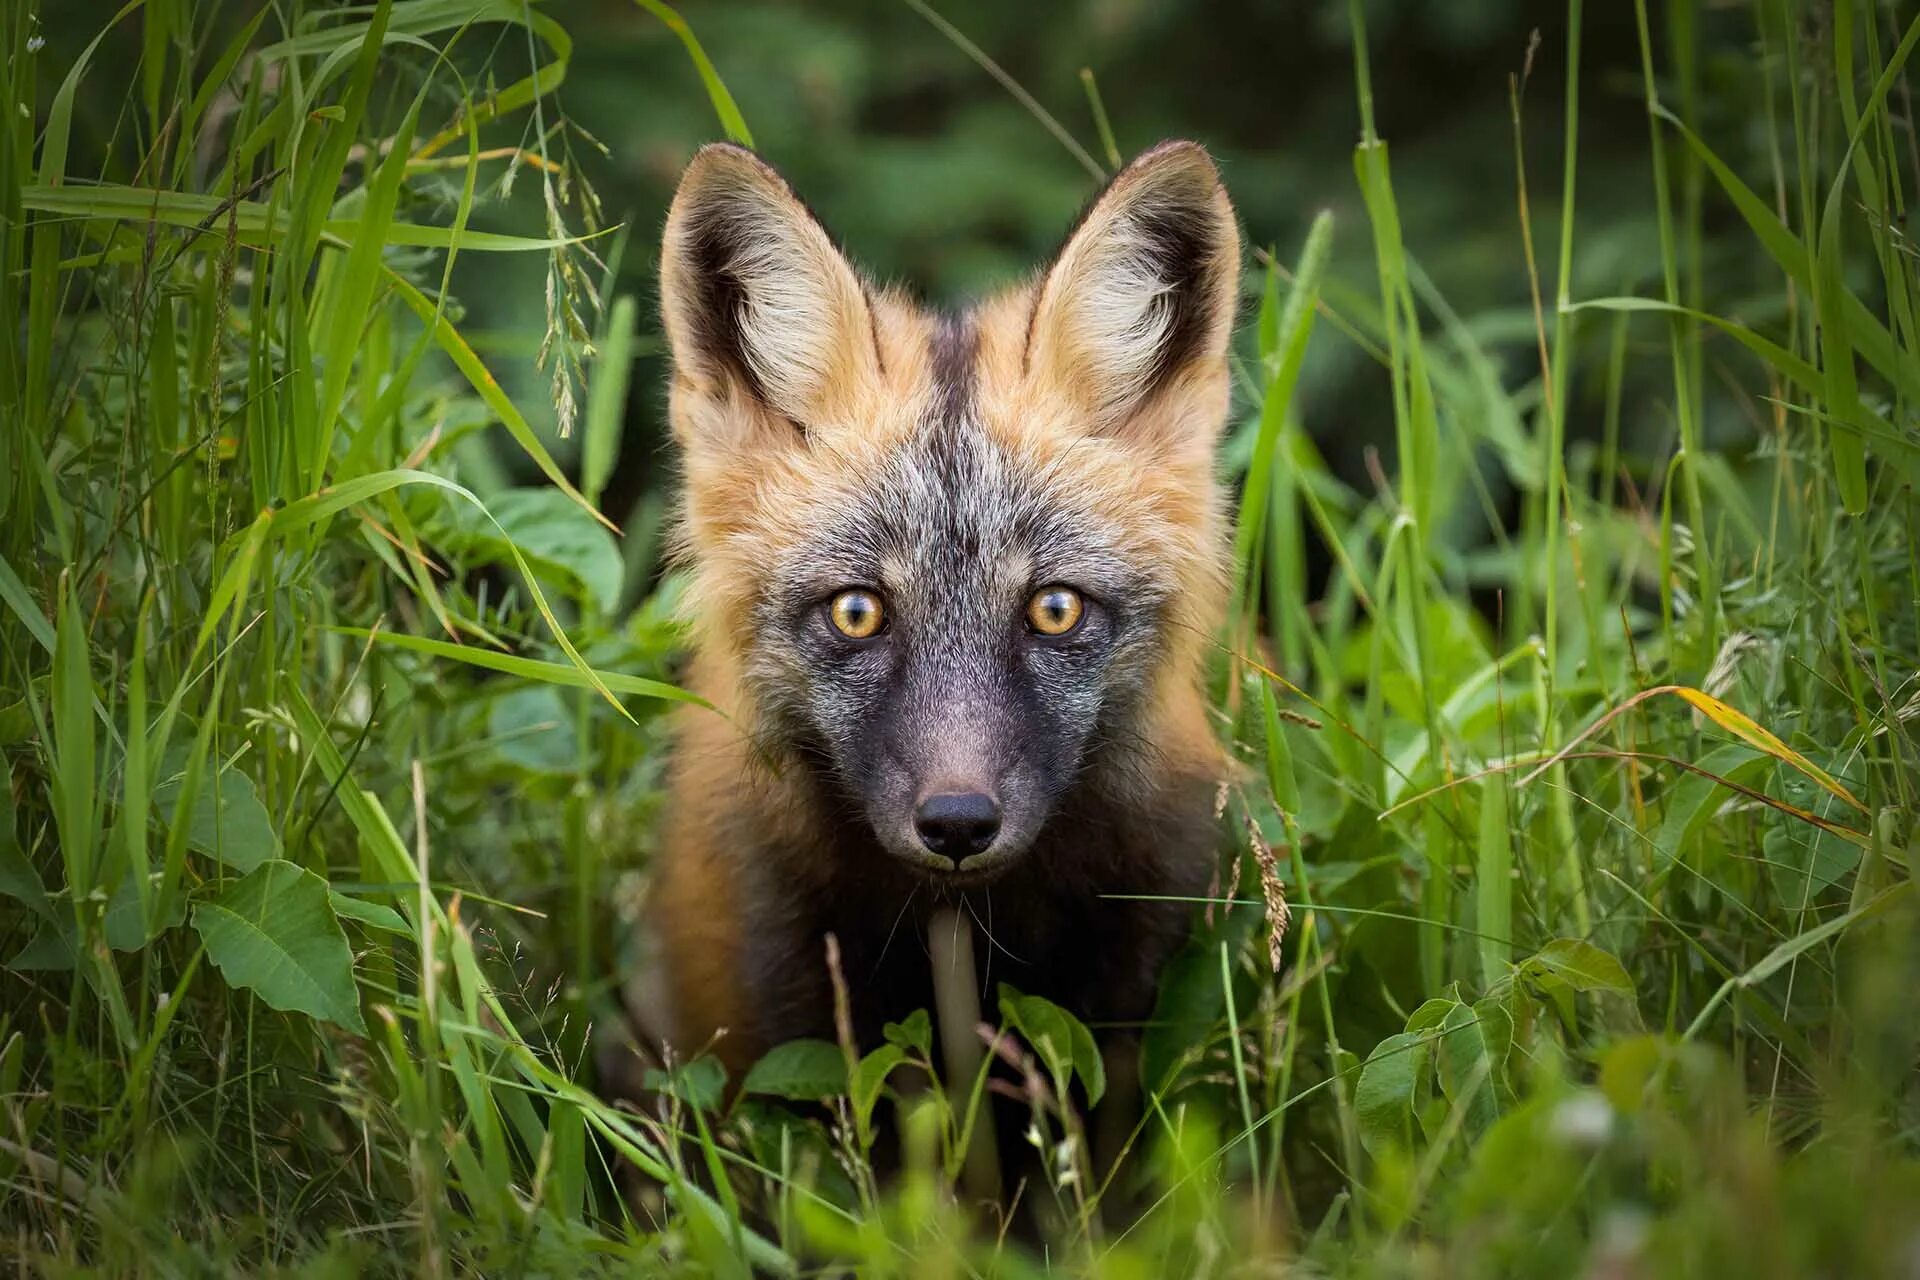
(723, 104)
(526, 668)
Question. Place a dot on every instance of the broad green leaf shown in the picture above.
(50, 949)
(534, 727)
(554, 532)
(1803, 862)
(1696, 797)
(275, 934)
(1582, 966)
(1465, 1067)
(1383, 1100)
(1063, 1042)
(18, 879)
(124, 923)
(323, 504)
(15, 595)
(804, 1070)
(228, 821)
(371, 914)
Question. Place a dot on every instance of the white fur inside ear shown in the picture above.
(787, 308)
(1123, 312)
(755, 296)
(1144, 289)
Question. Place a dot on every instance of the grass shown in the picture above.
(1587, 776)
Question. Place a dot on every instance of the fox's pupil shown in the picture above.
(856, 613)
(1055, 611)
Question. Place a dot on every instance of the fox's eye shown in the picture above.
(1055, 611)
(857, 614)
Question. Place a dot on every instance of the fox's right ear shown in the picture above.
(1140, 301)
(756, 299)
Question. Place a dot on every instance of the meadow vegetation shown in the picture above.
(1566, 913)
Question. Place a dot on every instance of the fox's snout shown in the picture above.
(957, 824)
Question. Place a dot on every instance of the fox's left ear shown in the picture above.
(758, 303)
(1141, 298)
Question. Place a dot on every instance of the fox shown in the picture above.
(953, 576)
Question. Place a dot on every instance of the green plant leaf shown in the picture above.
(803, 1070)
(1383, 1100)
(275, 934)
(18, 879)
(1063, 1042)
(554, 532)
(1467, 1068)
(124, 923)
(371, 914)
(870, 1076)
(701, 1084)
(228, 821)
(915, 1031)
(1581, 965)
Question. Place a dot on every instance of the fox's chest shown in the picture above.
(1097, 953)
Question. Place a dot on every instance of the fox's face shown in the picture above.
(953, 562)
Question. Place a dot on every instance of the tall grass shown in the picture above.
(330, 758)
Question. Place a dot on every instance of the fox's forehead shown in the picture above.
(960, 502)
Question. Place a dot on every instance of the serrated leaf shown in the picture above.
(1062, 1040)
(915, 1031)
(803, 1070)
(274, 933)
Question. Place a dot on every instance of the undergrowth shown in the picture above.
(1566, 910)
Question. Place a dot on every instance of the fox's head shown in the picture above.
(953, 564)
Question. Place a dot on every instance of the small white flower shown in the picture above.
(36, 43)
(1584, 1120)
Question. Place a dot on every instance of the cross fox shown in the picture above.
(953, 579)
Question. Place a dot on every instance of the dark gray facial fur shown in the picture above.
(957, 692)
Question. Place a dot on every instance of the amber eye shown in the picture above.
(857, 614)
(1054, 611)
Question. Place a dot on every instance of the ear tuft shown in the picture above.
(1145, 287)
(754, 295)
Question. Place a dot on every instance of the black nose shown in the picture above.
(957, 824)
